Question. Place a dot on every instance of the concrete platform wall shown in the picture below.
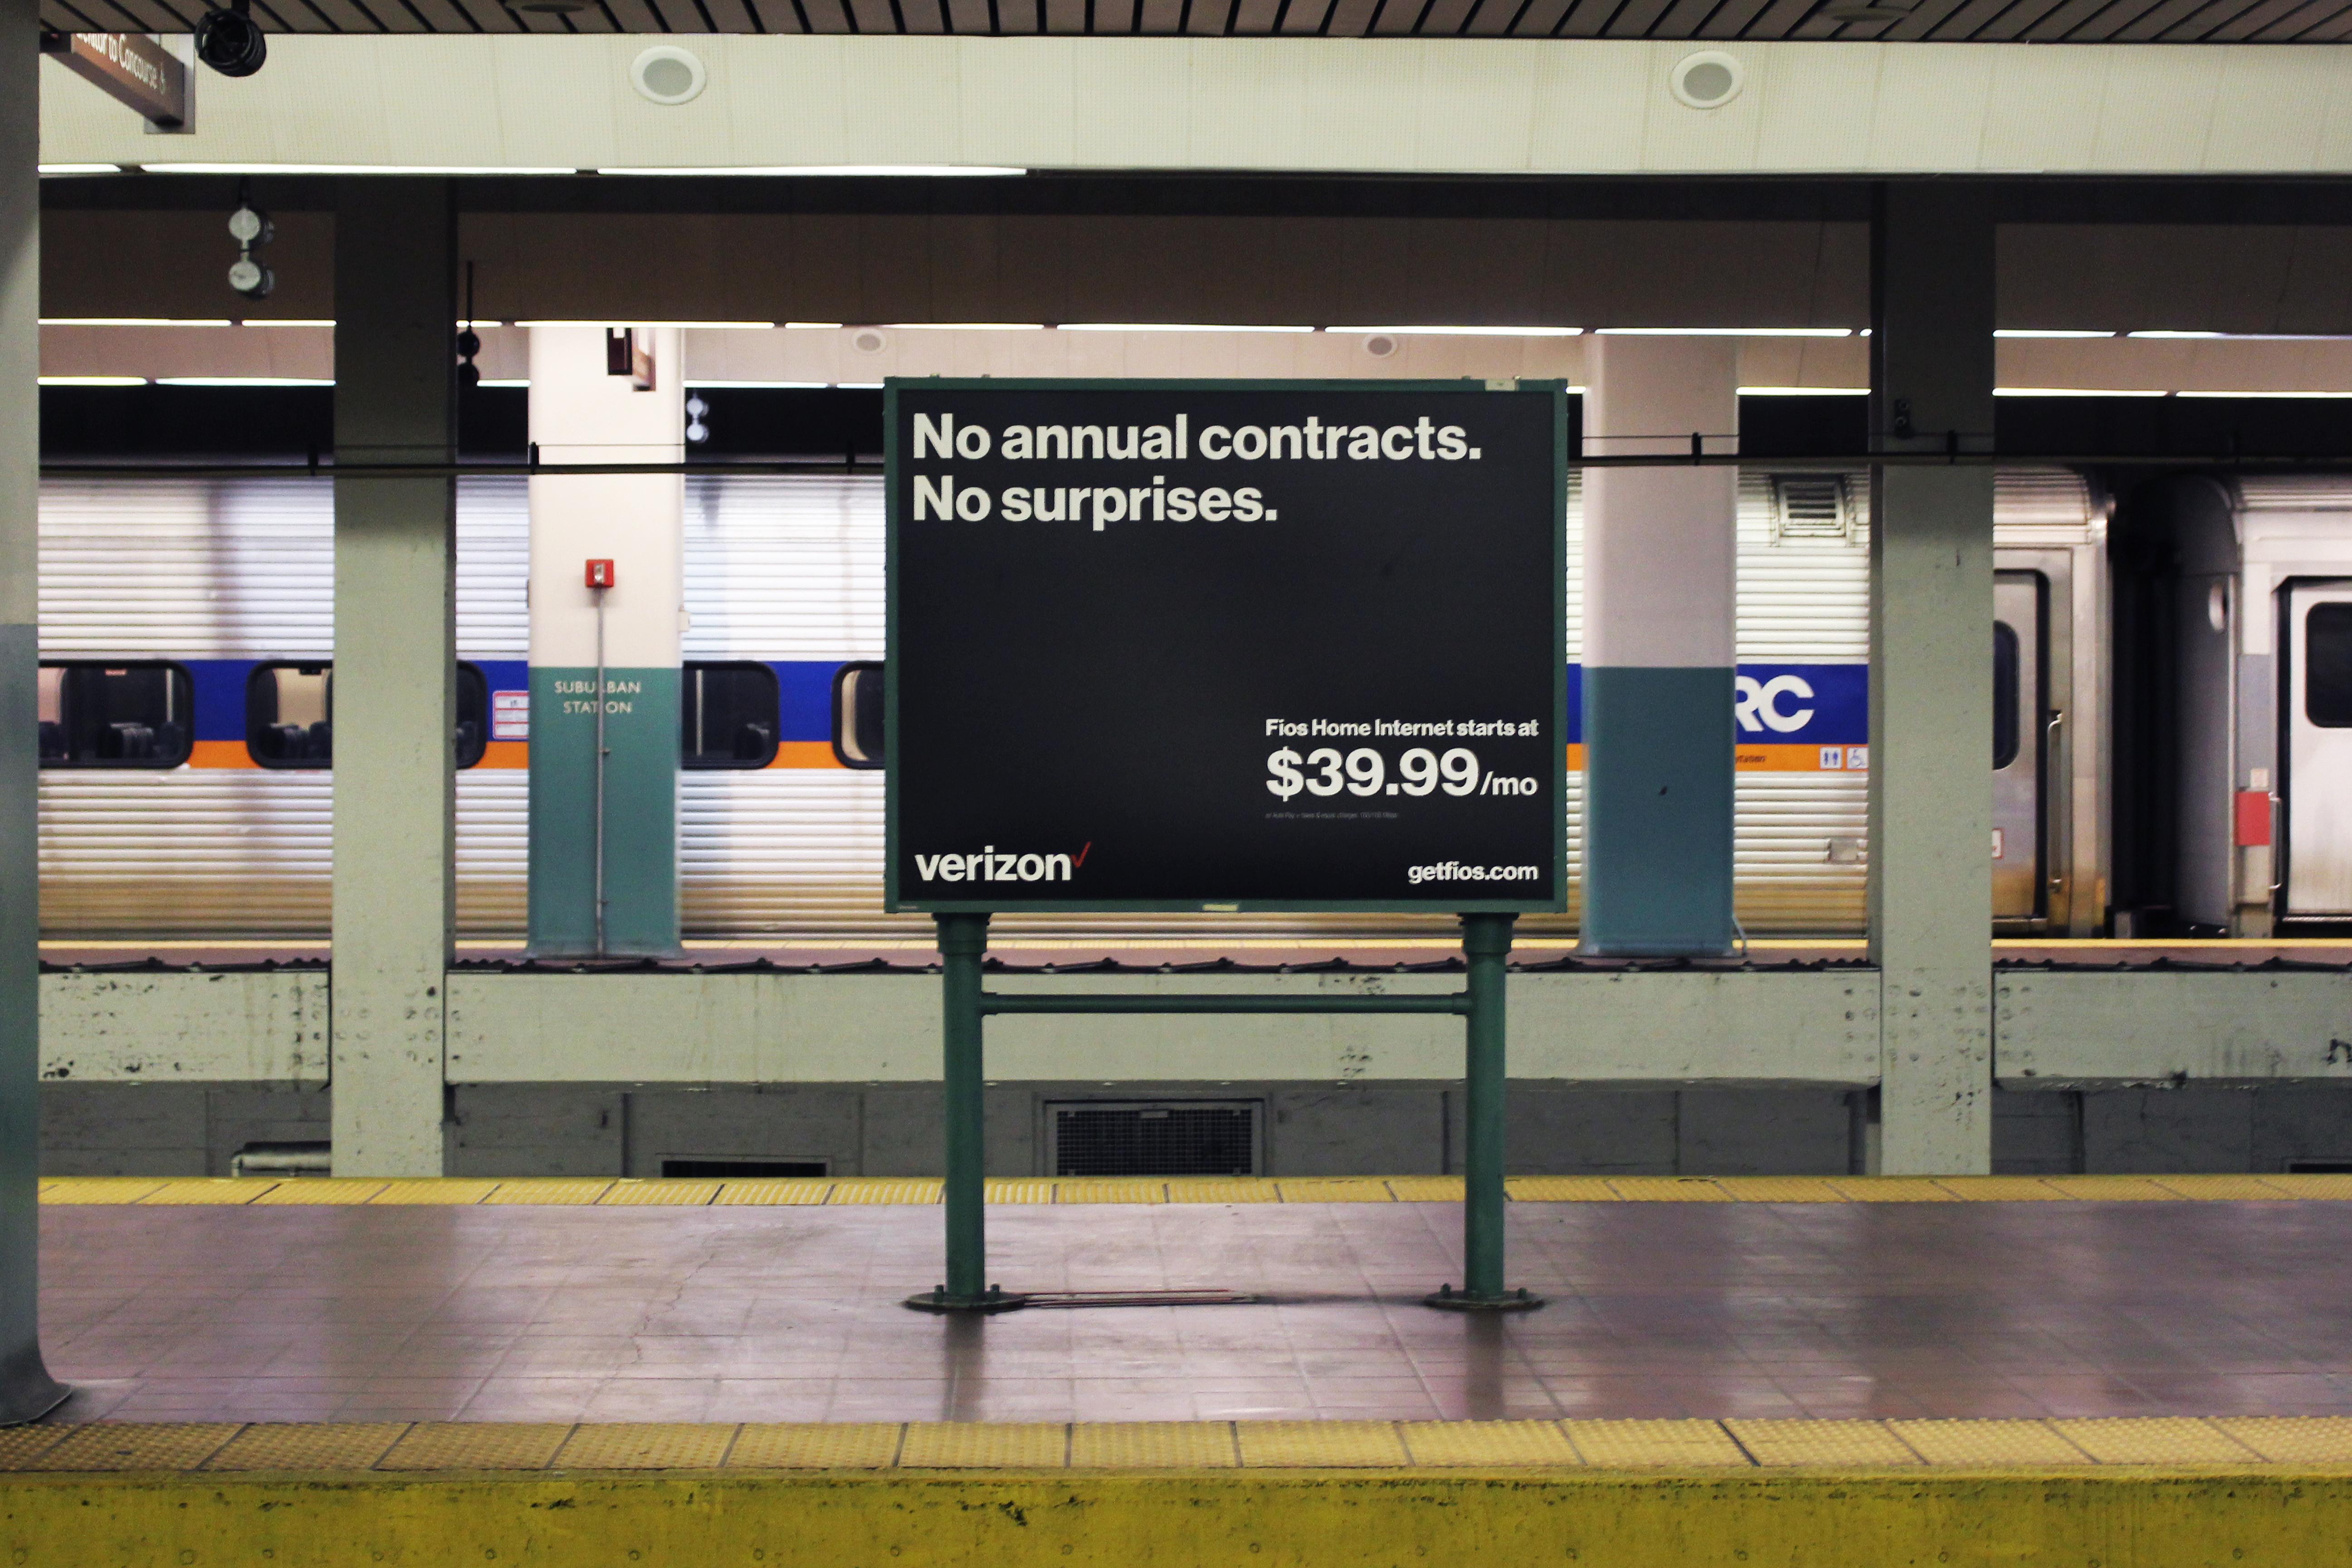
(1745, 1072)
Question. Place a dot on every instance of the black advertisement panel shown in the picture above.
(1234, 645)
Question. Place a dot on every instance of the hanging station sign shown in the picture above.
(1179, 646)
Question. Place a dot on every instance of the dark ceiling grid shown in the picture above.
(1256, 18)
(2191, 25)
(2248, 21)
(2295, 21)
(2068, 19)
(2020, 23)
(1636, 18)
(452, 16)
(2108, 24)
(1305, 18)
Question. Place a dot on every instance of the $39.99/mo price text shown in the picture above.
(1365, 772)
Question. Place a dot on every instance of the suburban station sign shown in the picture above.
(1186, 645)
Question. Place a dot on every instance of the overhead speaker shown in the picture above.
(667, 75)
(1707, 80)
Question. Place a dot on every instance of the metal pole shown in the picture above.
(27, 1389)
(963, 942)
(1485, 945)
(601, 752)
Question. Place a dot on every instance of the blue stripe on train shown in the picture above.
(1795, 704)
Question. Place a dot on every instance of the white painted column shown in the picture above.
(1931, 677)
(395, 675)
(603, 879)
(1660, 578)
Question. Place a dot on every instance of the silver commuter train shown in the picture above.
(233, 580)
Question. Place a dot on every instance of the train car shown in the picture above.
(2234, 705)
(187, 710)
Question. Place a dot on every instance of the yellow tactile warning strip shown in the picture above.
(797, 1445)
(804, 1191)
(128, 1445)
(2001, 1443)
(1321, 1445)
(472, 1446)
(1866, 1444)
(1152, 1445)
(985, 1446)
(298, 1445)
(657, 1191)
(1487, 1443)
(2230, 1442)
(1645, 1444)
(645, 1446)
(2155, 1440)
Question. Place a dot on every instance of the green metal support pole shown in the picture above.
(963, 942)
(1486, 945)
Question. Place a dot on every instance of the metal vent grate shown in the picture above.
(1810, 506)
(1182, 1137)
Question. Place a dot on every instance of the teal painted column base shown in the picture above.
(640, 812)
(1657, 812)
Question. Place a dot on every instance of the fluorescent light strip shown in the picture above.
(964, 327)
(93, 380)
(1804, 392)
(2048, 333)
(698, 382)
(1466, 331)
(503, 385)
(126, 321)
(858, 386)
(812, 326)
(1725, 331)
(832, 171)
(284, 323)
(2186, 393)
(81, 168)
(449, 171)
(1168, 327)
(2076, 392)
(681, 326)
(240, 381)
(2246, 337)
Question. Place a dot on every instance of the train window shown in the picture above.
(2004, 695)
(729, 717)
(473, 713)
(135, 714)
(857, 733)
(2327, 666)
(290, 715)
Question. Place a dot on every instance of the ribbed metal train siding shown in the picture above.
(775, 568)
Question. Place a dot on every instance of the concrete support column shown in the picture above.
(1931, 356)
(1660, 575)
(604, 798)
(25, 1387)
(394, 699)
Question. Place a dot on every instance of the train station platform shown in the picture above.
(1851, 1372)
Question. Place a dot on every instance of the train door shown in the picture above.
(2318, 783)
(2018, 645)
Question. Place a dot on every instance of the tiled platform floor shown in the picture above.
(1734, 1309)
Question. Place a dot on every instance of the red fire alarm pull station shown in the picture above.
(600, 573)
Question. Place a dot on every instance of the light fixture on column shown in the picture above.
(251, 228)
(230, 41)
(698, 415)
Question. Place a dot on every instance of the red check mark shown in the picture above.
(1082, 854)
